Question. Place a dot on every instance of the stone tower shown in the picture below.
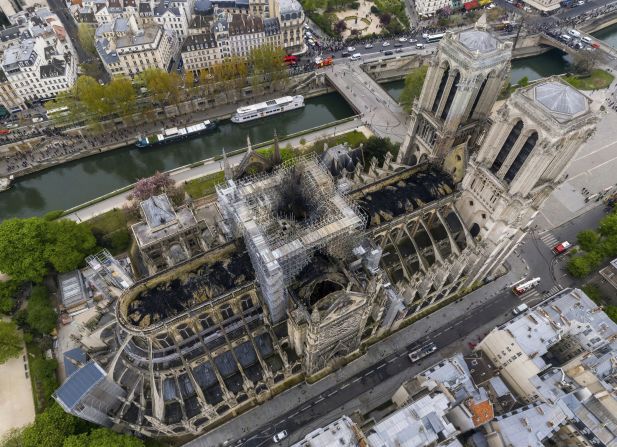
(521, 160)
(461, 86)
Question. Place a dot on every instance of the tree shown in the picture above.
(340, 26)
(578, 267)
(69, 243)
(147, 187)
(102, 437)
(41, 316)
(413, 86)
(385, 18)
(85, 35)
(164, 86)
(51, 427)
(583, 62)
(523, 82)
(588, 240)
(608, 226)
(22, 249)
(121, 97)
(8, 289)
(11, 343)
(377, 147)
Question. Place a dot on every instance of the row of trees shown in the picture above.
(29, 248)
(596, 246)
(91, 101)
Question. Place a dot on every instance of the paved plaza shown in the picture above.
(16, 403)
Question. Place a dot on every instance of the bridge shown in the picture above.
(382, 114)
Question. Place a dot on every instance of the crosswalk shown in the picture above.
(549, 239)
(538, 294)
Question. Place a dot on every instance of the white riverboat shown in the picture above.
(175, 133)
(268, 108)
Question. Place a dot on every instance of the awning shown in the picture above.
(471, 5)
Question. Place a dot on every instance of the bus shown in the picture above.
(526, 286)
(60, 111)
(290, 59)
(434, 37)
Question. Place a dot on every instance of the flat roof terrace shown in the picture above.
(172, 292)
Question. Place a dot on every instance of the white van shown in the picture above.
(520, 309)
(574, 33)
(565, 38)
(419, 46)
(355, 57)
(588, 40)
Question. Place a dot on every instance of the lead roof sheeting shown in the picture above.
(560, 98)
(79, 384)
(477, 40)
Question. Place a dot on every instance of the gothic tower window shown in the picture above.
(451, 96)
(507, 146)
(521, 157)
(440, 89)
(477, 100)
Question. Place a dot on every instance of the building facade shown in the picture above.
(127, 50)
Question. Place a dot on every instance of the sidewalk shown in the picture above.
(209, 166)
(289, 400)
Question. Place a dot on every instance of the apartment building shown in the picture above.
(127, 50)
(37, 71)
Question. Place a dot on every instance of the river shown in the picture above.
(67, 185)
(70, 184)
(608, 35)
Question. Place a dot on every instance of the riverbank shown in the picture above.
(218, 113)
(117, 199)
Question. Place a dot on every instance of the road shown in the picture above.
(59, 8)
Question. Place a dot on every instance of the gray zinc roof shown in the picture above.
(560, 98)
(478, 40)
(79, 384)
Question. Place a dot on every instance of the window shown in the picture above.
(226, 312)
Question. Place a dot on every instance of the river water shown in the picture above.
(608, 35)
(70, 184)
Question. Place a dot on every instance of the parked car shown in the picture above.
(402, 39)
(280, 436)
(355, 57)
(419, 46)
(37, 119)
(398, 50)
(398, 44)
(351, 49)
(385, 44)
(388, 53)
(368, 45)
(12, 125)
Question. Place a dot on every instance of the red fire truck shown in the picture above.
(525, 286)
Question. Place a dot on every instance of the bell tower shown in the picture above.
(521, 160)
(461, 86)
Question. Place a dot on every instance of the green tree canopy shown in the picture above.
(608, 225)
(588, 240)
(8, 289)
(29, 246)
(11, 343)
(68, 243)
(413, 86)
(102, 437)
(51, 427)
(164, 86)
(22, 248)
(85, 35)
(377, 147)
(41, 316)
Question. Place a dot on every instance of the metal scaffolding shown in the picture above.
(284, 217)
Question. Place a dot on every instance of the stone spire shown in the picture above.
(227, 167)
(249, 146)
(276, 153)
(481, 24)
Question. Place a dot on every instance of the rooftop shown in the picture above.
(72, 291)
(78, 384)
(560, 99)
(341, 432)
(402, 193)
(217, 272)
(478, 40)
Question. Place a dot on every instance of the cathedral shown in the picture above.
(292, 266)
